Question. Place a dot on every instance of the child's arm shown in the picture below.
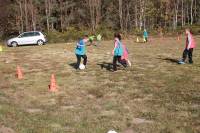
(189, 42)
(86, 42)
(115, 47)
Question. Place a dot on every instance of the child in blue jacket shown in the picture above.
(80, 51)
(117, 51)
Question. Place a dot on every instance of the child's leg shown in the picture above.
(123, 62)
(185, 53)
(84, 59)
(78, 61)
(115, 63)
(190, 55)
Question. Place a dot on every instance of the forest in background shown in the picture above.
(67, 19)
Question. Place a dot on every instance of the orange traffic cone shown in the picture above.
(19, 73)
(53, 86)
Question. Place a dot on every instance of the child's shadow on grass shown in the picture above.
(171, 60)
(105, 65)
(73, 65)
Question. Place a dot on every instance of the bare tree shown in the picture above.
(191, 12)
(26, 15)
(21, 16)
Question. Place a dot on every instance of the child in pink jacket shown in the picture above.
(190, 45)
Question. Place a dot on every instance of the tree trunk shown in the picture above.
(47, 14)
(21, 17)
(127, 22)
(61, 16)
(26, 15)
(33, 16)
(191, 12)
(98, 13)
(141, 14)
(176, 13)
(182, 13)
(144, 16)
(187, 14)
(121, 14)
(136, 16)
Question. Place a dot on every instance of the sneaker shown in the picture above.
(181, 62)
(129, 63)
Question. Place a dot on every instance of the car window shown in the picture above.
(36, 34)
(28, 34)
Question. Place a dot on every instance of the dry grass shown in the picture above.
(155, 95)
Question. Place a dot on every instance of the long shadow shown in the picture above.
(107, 66)
(171, 60)
(73, 65)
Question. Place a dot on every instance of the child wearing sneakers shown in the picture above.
(190, 45)
(80, 51)
(117, 51)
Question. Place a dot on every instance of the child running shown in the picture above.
(190, 45)
(80, 51)
(117, 51)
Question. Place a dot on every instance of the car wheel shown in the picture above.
(14, 44)
(40, 42)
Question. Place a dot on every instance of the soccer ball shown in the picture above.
(81, 66)
(112, 131)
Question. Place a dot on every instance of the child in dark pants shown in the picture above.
(80, 51)
(118, 51)
(190, 45)
(79, 60)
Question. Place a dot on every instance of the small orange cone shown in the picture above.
(19, 73)
(53, 86)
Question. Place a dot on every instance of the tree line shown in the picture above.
(125, 15)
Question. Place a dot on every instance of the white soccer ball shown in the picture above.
(81, 66)
(112, 131)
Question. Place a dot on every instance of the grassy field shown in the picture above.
(155, 95)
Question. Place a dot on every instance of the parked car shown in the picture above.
(32, 37)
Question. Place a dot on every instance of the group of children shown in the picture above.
(120, 52)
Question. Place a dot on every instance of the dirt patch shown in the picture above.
(6, 130)
(33, 111)
(141, 121)
(129, 131)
